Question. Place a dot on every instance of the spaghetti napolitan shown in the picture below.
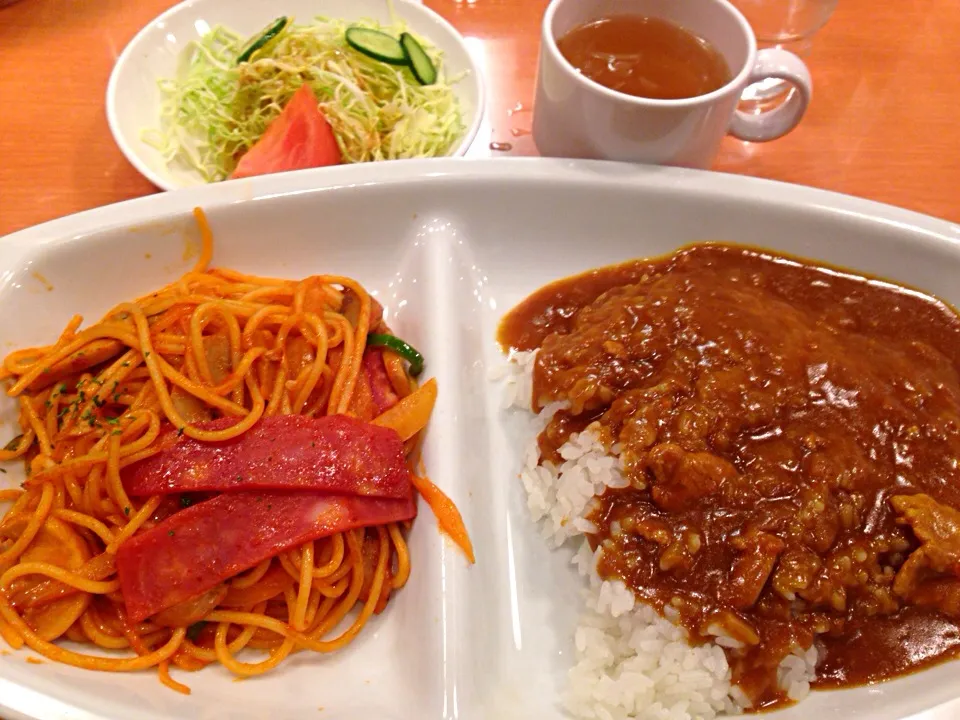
(222, 398)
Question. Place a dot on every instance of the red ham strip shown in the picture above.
(196, 549)
(335, 454)
(373, 393)
(384, 396)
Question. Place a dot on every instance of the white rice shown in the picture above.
(630, 661)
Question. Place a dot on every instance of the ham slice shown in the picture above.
(198, 548)
(335, 454)
(384, 396)
(373, 393)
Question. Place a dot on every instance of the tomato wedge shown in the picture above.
(200, 547)
(299, 138)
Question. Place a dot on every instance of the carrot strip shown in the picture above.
(448, 517)
(411, 414)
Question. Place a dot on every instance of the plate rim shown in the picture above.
(694, 185)
(531, 170)
(133, 45)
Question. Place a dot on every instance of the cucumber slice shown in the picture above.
(376, 44)
(258, 41)
(420, 63)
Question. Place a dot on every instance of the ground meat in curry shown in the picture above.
(792, 437)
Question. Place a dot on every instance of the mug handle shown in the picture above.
(782, 65)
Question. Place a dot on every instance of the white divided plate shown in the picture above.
(133, 98)
(448, 246)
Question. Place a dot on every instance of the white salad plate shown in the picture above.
(133, 97)
(447, 246)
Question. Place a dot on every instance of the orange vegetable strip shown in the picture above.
(448, 517)
(411, 414)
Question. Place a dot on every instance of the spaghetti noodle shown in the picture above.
(215, 344)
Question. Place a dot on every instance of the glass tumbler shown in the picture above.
(790, 24)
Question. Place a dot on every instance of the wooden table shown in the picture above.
(882, 124)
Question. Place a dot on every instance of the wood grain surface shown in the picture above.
(882, 124)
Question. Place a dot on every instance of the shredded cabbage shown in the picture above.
(215, 110)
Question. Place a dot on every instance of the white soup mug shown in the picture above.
(576, 117)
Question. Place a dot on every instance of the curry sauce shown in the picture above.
(791, 433)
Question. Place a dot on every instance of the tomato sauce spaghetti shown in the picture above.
(149, 440)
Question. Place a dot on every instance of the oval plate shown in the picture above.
(448, 246)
